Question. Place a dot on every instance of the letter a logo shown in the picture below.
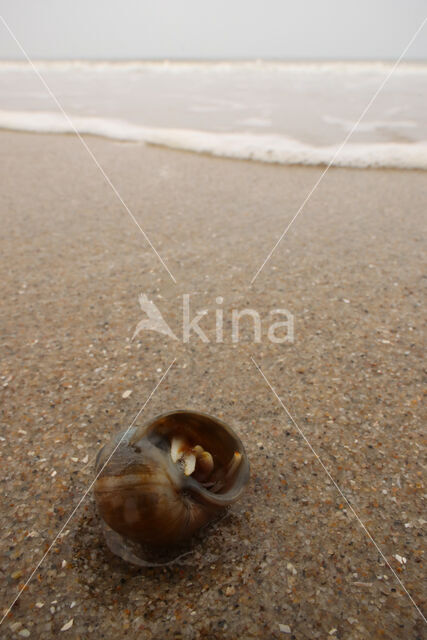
(154, 320)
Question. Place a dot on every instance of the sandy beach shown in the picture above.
(291, 559)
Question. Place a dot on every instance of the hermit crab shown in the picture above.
(158, 484)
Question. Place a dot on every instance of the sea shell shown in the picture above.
(158, 484)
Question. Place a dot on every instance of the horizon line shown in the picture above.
(214, 60)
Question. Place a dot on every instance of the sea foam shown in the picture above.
(273, 148)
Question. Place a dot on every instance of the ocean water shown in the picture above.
(291, 113)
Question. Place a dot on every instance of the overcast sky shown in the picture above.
(214, 29)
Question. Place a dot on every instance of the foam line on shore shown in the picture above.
(245, 146)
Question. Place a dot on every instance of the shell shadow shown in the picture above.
(104, 574)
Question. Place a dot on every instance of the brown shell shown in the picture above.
(146, 497)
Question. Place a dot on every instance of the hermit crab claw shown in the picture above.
(170, 477)
(194, 460)
(204, 464)
(181, 452)
(178, 446)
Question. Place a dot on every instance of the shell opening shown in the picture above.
(197, 462)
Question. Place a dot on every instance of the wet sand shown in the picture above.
(290, 560)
